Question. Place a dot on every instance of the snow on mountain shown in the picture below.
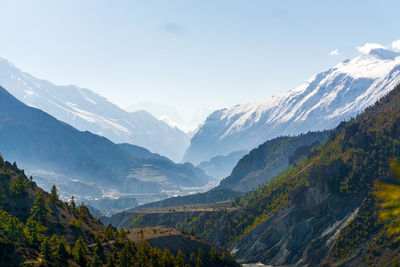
(86, 110)
(320, 103)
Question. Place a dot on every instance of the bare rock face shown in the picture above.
(304, 231)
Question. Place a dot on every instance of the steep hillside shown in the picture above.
(268, 160)
(88, 111)
(323, 212)
(58, 152)
(320, 103)
(38, 229)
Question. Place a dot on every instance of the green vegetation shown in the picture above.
(18, 185)
(357, 154)
(38, 229)
(389, 196)
(354, 163)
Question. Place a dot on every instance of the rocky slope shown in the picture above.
(320, 103)
(321, 213)
(88, 111)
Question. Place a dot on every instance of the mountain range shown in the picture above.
(88, 111)
(85, 164)
(323, 211)
(37, 228)
(320, 103)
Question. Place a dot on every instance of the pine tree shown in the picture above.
(167, 258)
(79, 252)
(45, 249)
(54, 197)
(96, 261)
(34, 231)
(72, 203)
(192, 258)
(125, 258)
(4, 168)
(111, 259)
(99, 250)
(180, 259)
(62, 252)
(39, 209)
(18, 185)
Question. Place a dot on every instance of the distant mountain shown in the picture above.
(39, 229)
(323, 212)
(254, 169)
(88, 111)
(320, 103)
(269, 159)
(90, 165)
(188, 123)
(221, 166)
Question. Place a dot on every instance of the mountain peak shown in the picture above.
(88, 111)
(326, 99)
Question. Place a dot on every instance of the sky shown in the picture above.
(191, 56)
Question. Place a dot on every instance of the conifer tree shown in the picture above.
(79, 252)
(112, 259)
(45, 249)
(167, 258)
(72, 204)
(62, 252)
(4, 167)
(180, 259)
(96, 261)
(34, 231)
(18, 185)
(99, 250)
(54, 197)
(125, 258)
(39, 209)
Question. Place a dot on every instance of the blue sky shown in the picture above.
(189, 54)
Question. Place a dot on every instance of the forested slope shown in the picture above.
(323, 211)
(38, 229)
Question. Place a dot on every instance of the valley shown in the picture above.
(214, 133)
(320, 212)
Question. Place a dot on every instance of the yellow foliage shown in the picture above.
(388, 196)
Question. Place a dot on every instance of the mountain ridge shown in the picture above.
(323, 212)
(39, 141)
(87, 110)
(320, 103)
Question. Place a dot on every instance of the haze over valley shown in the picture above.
(228, 133)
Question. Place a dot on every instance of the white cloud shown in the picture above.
(396, 45)
(367, 47)
(334, 52)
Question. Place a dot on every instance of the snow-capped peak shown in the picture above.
(86, 110)
(320, 103)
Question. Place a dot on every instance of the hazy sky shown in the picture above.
(189, 54)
